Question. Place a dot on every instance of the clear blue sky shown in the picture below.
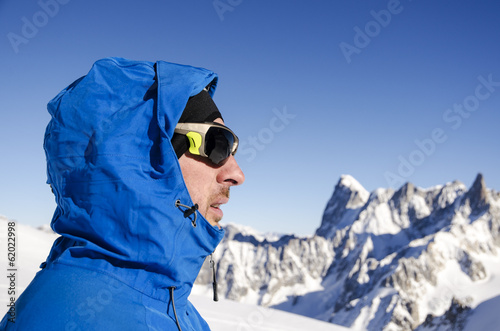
(386, 91)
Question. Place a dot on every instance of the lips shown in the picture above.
(215, 207)
(219, 202)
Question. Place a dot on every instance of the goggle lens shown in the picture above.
(218, 144)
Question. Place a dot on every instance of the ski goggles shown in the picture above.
(212, 140)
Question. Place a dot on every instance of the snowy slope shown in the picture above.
(227, 315)
(33, 245)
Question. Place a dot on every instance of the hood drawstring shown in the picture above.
(171, 289)
(188, 211)
(214, 284)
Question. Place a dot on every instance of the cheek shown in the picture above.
(200, 185)
(198, 178)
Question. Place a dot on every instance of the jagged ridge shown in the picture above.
(379, 260)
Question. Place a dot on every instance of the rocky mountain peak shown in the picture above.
(404, 195)
(478, 194)
(347, 198)
(405, 192)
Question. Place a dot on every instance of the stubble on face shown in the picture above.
(212, 216)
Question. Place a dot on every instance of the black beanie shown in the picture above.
(199, 109)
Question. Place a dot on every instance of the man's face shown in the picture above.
(208, 183)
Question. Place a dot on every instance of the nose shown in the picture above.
(231, 173)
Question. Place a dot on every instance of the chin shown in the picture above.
(214, 222)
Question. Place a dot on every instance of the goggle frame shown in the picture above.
(197, 136)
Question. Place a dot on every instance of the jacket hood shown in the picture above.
(116, 177)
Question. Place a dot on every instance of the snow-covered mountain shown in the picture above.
(425, 259)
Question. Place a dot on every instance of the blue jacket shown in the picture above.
(127, 256)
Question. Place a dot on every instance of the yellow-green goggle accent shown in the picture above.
(195, 140)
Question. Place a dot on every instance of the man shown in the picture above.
(139, 180)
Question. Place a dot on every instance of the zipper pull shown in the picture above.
(214, 284)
